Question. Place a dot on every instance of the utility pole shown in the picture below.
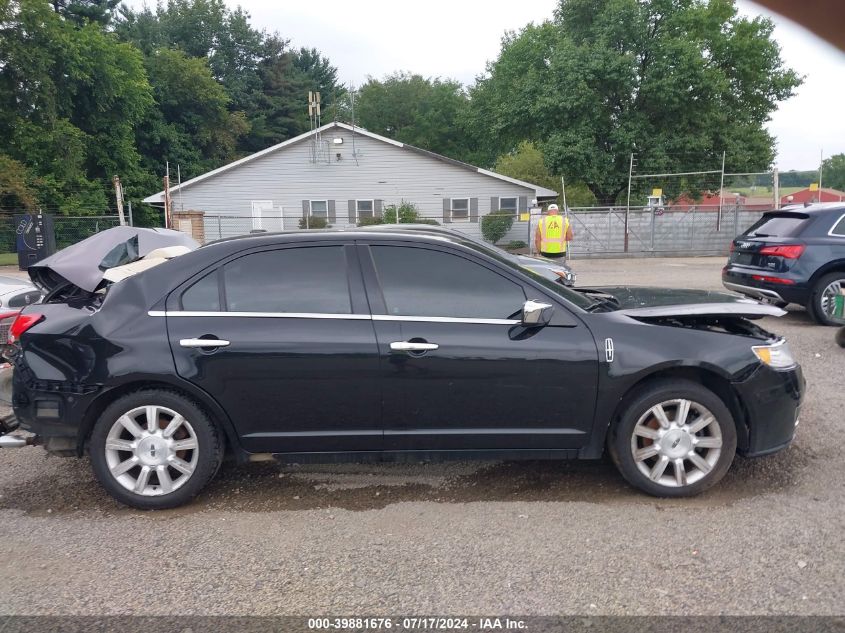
(628, 206)
(131, 223)
(776, 188)
(167, 201)
(721, 188)
(821, 166)
(565, 215)
(118, 194)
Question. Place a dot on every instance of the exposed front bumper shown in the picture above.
(772, 400)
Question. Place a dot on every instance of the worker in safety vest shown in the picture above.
(553, 233)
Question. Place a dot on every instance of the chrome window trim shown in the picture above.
(258, 315)
(322, 315)
(434, 319)
(835, 224)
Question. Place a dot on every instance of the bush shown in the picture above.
(515, 245)
(314, 223)
(496, 225)
(370, 221)
(406, 211)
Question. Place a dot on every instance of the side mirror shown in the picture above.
(536, 314)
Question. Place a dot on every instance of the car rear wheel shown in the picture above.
(824, 295)
(154, 449)
(676, 439)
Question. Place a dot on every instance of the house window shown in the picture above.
(364, 209)
(508, 204)
(460, 209)
(319, 208)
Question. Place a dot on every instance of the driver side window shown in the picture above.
(423, 282)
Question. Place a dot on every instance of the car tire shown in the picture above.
(840, 337)
(158, 465)
(667, 457)
(816, 308)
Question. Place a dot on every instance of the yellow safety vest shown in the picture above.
(553, 233)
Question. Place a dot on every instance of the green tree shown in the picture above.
(427, 113)
(16, 192)
(263, 77)
(674, 81)
(191, 125)
(833, 172)
(527, 163)
(70, 98)
(83, 11)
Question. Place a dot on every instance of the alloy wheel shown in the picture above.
(676, 443)
(151, 450)
(827, 297)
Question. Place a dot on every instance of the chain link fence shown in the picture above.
(599, 231)
(68, 229)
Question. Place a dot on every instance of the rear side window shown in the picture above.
(306, 279)
(839, 227)
(781, 225)
(203, 296)
(422, 282)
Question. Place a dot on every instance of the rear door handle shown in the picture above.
(406, 346)
(203, 342)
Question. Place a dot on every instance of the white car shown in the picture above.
(16, 293)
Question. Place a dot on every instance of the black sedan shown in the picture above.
(393, 345)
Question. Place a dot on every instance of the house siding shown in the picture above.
(382, 172)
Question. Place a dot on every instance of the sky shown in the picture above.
(456, 39)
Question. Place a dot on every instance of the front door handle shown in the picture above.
(203, 342)
(408, 346)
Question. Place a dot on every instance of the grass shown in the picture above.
(761, 192)
(8, 259)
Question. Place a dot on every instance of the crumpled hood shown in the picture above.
(653, 301)
(84, 263)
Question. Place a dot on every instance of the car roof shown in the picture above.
(816, 208)
(415, 232)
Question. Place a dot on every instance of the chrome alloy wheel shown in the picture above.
(151, 450)
(682, 433)
(833, 289)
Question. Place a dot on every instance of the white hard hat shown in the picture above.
(553, 207)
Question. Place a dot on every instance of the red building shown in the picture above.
(709, 201)
(819, 195)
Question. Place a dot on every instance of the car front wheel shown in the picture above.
(676, 439)
(154, 449)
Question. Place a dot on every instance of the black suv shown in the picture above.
(795, 255)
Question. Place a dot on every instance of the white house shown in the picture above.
(344, 174)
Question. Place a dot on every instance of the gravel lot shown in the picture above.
(519, 538)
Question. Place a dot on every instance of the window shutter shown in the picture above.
(306, 207)
(378, 206)
(332, 213)
(523, 204)
(352, 214)
(447, 210)
(473, 209)
(494, 204)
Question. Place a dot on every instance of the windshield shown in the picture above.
(780, 225)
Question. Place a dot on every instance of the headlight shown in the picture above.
(777, 355)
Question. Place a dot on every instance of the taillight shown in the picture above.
(22, 324)
(772, 280)
(788, 251)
